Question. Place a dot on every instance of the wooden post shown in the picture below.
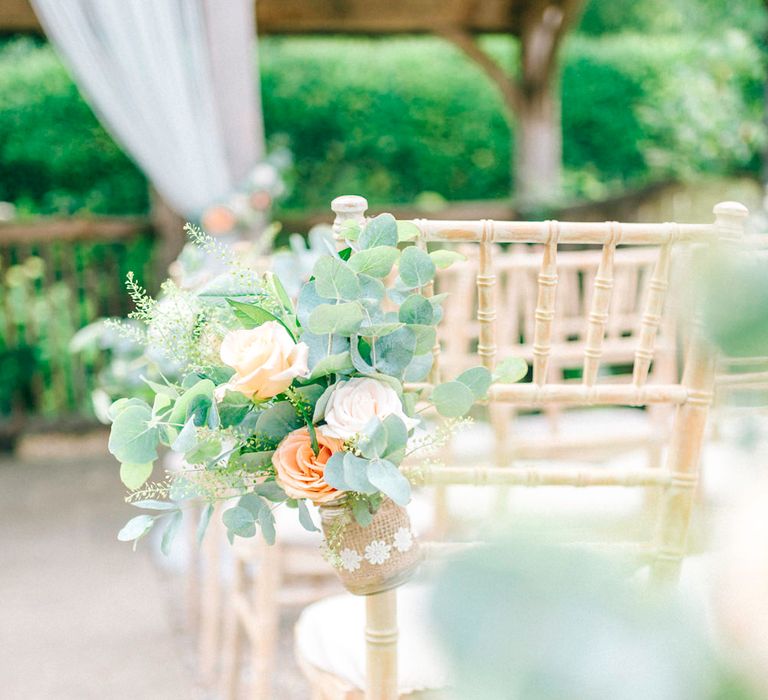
(381, 646)
(691, 418)
(532, 99)
(169, 226)
(265, 589)
(210, 600)
(348, 207)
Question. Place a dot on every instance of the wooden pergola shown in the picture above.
(531, 96)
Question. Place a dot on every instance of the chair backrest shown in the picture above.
(691, 395)
(516, 289)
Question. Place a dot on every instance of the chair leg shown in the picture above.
(264, 647)
(381, 646)
(192, 573)
(210, 601)
(683, 463)
(232, 639)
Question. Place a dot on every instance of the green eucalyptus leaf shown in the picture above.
(361, 511)
(419, 367)
(252, 502)
(267, 525)
(452, 399)
(356, 474)
(333, 475)
(133, 438)
(279, 291)
(196, 400)
(342, 319)
(335, 280)
(443, 259)
(170, 532)
(510, 370)
(373, 439)
(310, 393)
(136, 528)
(251, 315)
(121, 404)
(135, 475)
(151, 504)
(376, 262)
(309, 300)
(407, 231)
(233, 408)
(394, 352)
(372, 290)
(271, 490)
(305, 518)
(319, 347)
(168, 390)
(278, 420)
(397, 439)
(187, 438)
(358, 359)
(426, 337)
(333, 364)
(386, 477)
(378, 330)
(202, 524)
(379, 231)
(239, 521)
(477, 380)
(416, 309)
(437, 306)
(322, 402)
(254, 461)
(416, 267)
(204, 451)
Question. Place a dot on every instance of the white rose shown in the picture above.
(265, 359)
(354, 402)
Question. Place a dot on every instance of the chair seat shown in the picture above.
(329, 637)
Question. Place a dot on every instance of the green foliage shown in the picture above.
(393, 133)
(55, 156)
(452, 399)
(416, 267)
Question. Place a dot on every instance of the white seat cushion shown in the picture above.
(330, 636)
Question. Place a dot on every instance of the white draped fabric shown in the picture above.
(175, 83)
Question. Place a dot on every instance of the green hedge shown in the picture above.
(397, 117)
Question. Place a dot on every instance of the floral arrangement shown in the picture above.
(245, 208)
(284, 402)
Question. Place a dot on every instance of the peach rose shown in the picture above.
(218, 220)
(355, 401)
(265, 359)
(300, 471)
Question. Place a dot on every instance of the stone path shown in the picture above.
(81, 616)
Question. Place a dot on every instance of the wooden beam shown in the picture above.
(97, 228)
(340, 16)
(506, 83)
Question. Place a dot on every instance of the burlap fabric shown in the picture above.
(371, 559)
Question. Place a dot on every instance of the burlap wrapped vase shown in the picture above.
(375, 558)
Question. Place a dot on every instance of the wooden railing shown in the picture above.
(57, 276)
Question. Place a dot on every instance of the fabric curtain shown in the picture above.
(174, 81)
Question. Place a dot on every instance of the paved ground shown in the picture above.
(80, 615)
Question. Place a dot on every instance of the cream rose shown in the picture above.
(300, 471)
(354, 402)
(265, 359)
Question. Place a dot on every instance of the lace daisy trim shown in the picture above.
(377, 552)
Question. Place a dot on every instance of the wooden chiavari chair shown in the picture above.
(690, 397)
(594, 434)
